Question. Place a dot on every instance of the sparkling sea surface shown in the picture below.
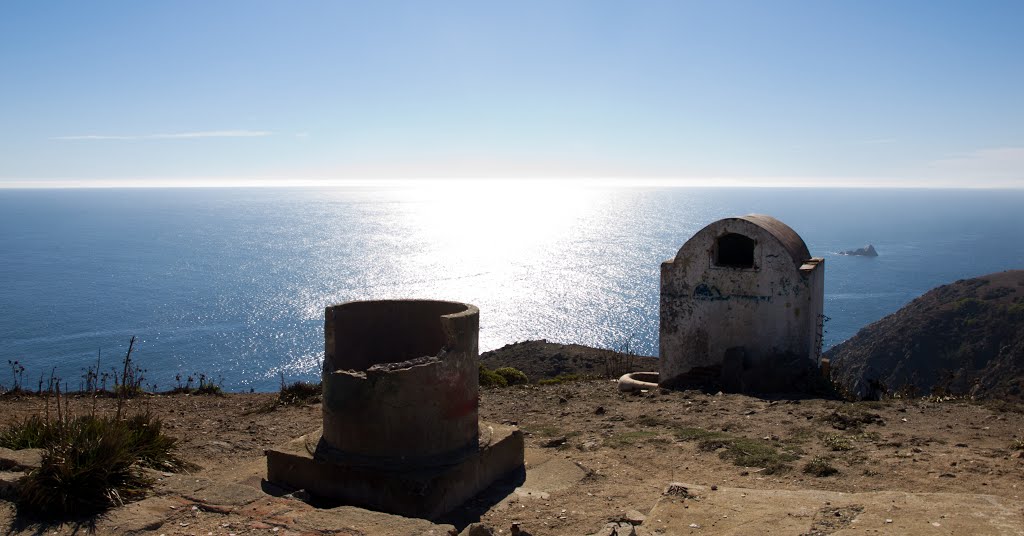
(232, 282)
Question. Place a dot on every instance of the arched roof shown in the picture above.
(783, 233)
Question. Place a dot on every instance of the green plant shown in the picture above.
(17, 372)
(90, 463)
(626, 439)
(490, 378)
(820, 467)
(560, 379)
(1018, 444)
(697, 434)
(836, 442)
(740, 451)
(746, 452)
(513, 376)
(298, 393)
(209, 387)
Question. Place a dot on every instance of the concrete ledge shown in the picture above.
(424, 493)
(638, 381)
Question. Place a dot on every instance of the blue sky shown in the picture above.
(900, 93)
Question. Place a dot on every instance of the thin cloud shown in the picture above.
(173, 136)
(1005, 163)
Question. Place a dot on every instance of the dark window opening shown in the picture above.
(734, 251)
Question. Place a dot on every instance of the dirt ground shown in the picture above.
(617, 453)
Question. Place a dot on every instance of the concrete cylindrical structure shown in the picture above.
(400, 383)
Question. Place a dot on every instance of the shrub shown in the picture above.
(513, 376)
(490, 378)
(836, 442)
(90, 463)
(560, 379)
(209, 387)
(298, 393)
(819, 466)
(740, 451)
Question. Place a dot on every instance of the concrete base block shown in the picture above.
(424, 493)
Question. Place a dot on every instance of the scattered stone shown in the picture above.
(18, 460)
(616, 529)
(634, 517)
(947, 475)
(589, 445)
(556, 442)
(599, 410)
(477, 529)
(714, 487)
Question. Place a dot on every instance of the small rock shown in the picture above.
(20, 459)
(599, 410)
(888, 521)
(589, 445)
(477, 529)
(947, 475)
(694, 526)
(556, 442)
(634, 517)
(714, 487)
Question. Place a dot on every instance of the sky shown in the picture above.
(830, 93)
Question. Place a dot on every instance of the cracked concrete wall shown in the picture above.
(400, 383)
(771, 308)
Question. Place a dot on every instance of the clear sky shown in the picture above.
(762, 92)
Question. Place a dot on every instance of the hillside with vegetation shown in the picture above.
(963, 339)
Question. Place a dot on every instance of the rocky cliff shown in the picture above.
(965, 338)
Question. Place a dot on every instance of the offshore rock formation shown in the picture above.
(965, 338)
(866, 251)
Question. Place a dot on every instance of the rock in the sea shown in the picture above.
(866, 251)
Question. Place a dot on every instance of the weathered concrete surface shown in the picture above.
(740, 283)
(638, 381)
(348, 519)
(400, 383)
(739, 511)
(425, 492)
(547, 473)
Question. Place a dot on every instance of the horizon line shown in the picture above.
(637, 182)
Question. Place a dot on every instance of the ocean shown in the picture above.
(232, 282)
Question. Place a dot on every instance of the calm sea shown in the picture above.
(232, 283)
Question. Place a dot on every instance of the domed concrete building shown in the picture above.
(741, 302)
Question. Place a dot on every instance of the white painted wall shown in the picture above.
(771, 309)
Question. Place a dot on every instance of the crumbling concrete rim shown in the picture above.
(469, 310)
(637, 381)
